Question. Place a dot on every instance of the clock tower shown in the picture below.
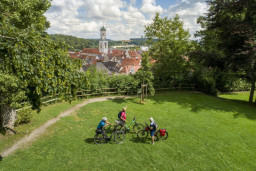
(103, 43)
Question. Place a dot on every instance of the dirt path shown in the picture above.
(39, 131)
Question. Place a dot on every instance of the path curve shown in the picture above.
(40, 130)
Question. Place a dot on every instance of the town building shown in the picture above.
(111, 61)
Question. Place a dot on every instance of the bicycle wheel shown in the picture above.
(119, 137)
(159, 137)
(137, 127)
(142, 134)
(99, 139)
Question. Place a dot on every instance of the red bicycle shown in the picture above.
(160, 134)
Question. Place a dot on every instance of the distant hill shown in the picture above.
(80, 43)
(75, 42)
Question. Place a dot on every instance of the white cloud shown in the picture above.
(133, 2)
(189, 12)
(123, 19)
(150, 7)
(99, 9)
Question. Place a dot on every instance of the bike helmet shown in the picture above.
(104, 118)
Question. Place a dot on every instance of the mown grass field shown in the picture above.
(47, 113)
(239, 96)
(205, 133)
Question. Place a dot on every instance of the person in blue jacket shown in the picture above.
(103, 123)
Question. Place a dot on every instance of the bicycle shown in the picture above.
(127, 127)
(101, 137)
(160, 134)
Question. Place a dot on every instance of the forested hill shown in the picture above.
(80, 43)
(76, 43)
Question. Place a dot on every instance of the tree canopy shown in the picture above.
(230, 37)
(170, 48)
(41, 65)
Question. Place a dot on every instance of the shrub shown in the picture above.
(24, 116)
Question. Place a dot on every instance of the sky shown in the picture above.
(123, 19)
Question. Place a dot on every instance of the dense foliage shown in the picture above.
(228, 40)
(169, 50)
(39, 65)
(99, 80)
(144, 74)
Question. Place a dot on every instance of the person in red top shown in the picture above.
(123, 116)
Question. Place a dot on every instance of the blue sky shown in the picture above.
(123, 19)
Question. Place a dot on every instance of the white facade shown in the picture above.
(103, 43)
(144, 48)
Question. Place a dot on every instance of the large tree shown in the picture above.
(231, 25)
(41, 66)
(144, 74)
(169, 45)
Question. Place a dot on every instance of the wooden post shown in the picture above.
(141, 94)
(146, 91)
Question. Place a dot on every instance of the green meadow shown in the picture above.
(205, 133)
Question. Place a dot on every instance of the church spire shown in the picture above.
(103, 44)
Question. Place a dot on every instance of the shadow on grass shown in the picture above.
(5, 130)
(1, 158)
(198, 101)
(121, 100)
(138, 140)
(89, 140)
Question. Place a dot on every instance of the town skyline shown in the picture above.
(122, 19)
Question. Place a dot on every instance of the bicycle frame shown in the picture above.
(128, 126)
(105, 136)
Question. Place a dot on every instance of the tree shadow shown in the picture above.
(5, 130)
(198, 101)
(121, 100)
(139, 140)
(118, 100)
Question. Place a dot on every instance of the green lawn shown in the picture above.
(242, 96)
(47, 113)
(205, 133)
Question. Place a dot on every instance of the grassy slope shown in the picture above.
(204, 133)
(240, 96)
(47, 113)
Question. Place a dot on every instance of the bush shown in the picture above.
(24, 116)
(96, 81)
(240, 85)
(205, 81)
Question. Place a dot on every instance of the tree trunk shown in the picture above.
(8, 117)
(252, 91)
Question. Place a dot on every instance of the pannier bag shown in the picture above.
(162, 132)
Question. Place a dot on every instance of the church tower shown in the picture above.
(103, 43)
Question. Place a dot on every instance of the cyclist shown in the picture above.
(153, 126)
(103, 123)
(123, 116)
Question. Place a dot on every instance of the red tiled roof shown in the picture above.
(91, 51)
(74, 54)
(152, 61)
(133, 54)
(128, 61)
(136, 68)
(126, 69)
